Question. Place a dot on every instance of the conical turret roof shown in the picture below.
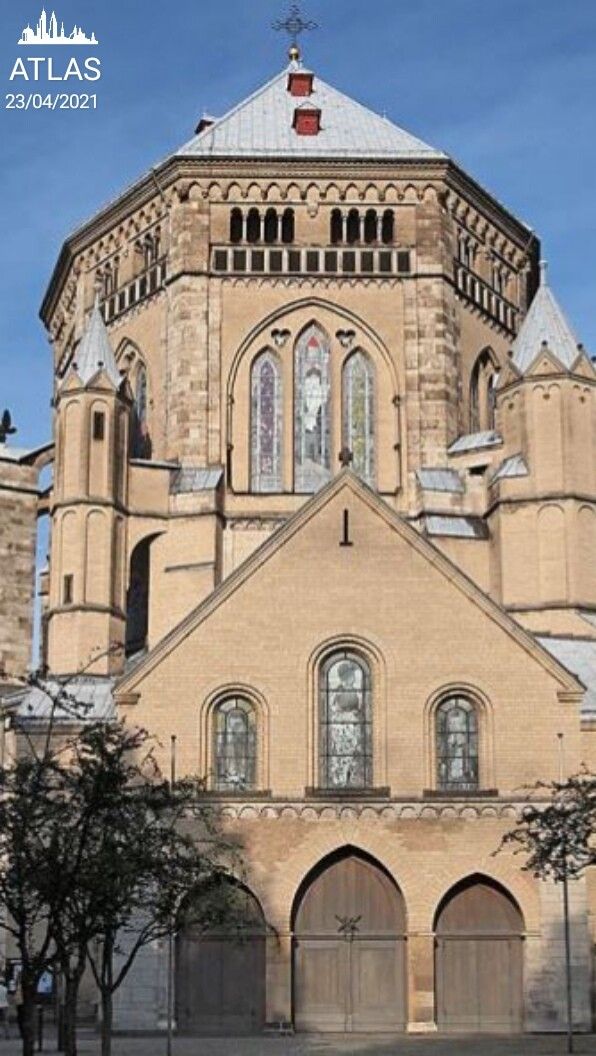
(94, 352)
(545, 324)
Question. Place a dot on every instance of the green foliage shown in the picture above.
(557, 830)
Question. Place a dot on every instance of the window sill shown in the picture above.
(451, 793)
(346, 793)
(242, 794)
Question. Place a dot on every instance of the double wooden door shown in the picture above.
(478, 963)
(349, 951)
(220, 976)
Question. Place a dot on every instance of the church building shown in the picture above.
(324, 511)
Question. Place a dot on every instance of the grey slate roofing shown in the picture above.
(81, 698)
(94, 352)
(475, 441)
(578, 655)
(514, 466)
(440, 480)
(21, 454)
(191, 478)
(544, 323)
(455, 527)
(262, 125)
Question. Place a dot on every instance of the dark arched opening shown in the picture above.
(336, 232)
(388, 227)
(137, 598)
(236, 225)
(353, 227)
(287, 226)
(253, 225)
(271, 226)
(370, 226)
(349, 916)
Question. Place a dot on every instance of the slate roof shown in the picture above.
(94, 351)
(440, 480)
(475, 441)
(514, 466)
(262, 126)
(545, 323)
(192, 478)
(83, 699)
(455, 527)
(578, 655)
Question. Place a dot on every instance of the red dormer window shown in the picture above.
(307, 121)
(300, 82)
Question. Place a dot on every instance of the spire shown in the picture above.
(94, 352)
(545, 325)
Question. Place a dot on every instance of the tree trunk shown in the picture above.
(71, 997)
(28, 1023)
(107, 1000)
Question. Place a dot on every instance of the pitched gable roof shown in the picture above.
(347, 480)
(262, 126)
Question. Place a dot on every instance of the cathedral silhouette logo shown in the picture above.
(47, 32)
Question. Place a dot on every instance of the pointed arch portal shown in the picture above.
(349, 948)
(478, 960)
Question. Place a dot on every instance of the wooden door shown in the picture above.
(479, 958)
(349, 954)
(220, 977)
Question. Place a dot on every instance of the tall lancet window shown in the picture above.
(140, 433)
(235, 745)
(359, 414)
(312, 457)
(266, 423)
(457, 745)
(345, 722)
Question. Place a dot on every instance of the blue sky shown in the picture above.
(509, 89)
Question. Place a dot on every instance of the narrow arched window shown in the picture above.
(266, 423)
(253, 225)
(388, 227)
(359, 414)
(345, 720)
(457, 745)
(235, 743)
(353, 227)
(140, 432)
(271, 226)
(312, 459)
(287, 226)
(483, 381)
(336, 232)
(370, 226)
(236, 225)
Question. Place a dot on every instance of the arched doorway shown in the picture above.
(220, 974)
(478, 960)
(349, 948)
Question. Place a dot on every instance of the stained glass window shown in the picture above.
(457, 745)
(266, 424)
(358, 414)
(235, 745)
(140, 433)
(311, 418)
(345, 723)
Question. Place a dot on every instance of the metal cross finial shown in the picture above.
(345, 457)
(294, 25)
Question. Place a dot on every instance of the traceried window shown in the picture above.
(345, 721)
(457, 745)
(235, 743)
(266, 423)
(359, 414)
(312, 411)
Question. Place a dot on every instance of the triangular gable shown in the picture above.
(583, 367)
(545, 362)
(508, 375)
(346, 480)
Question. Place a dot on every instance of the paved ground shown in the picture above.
(326, 1045)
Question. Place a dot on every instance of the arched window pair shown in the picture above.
(483, 382)
(312, 415)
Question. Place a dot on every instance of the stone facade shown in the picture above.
(463, 567)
